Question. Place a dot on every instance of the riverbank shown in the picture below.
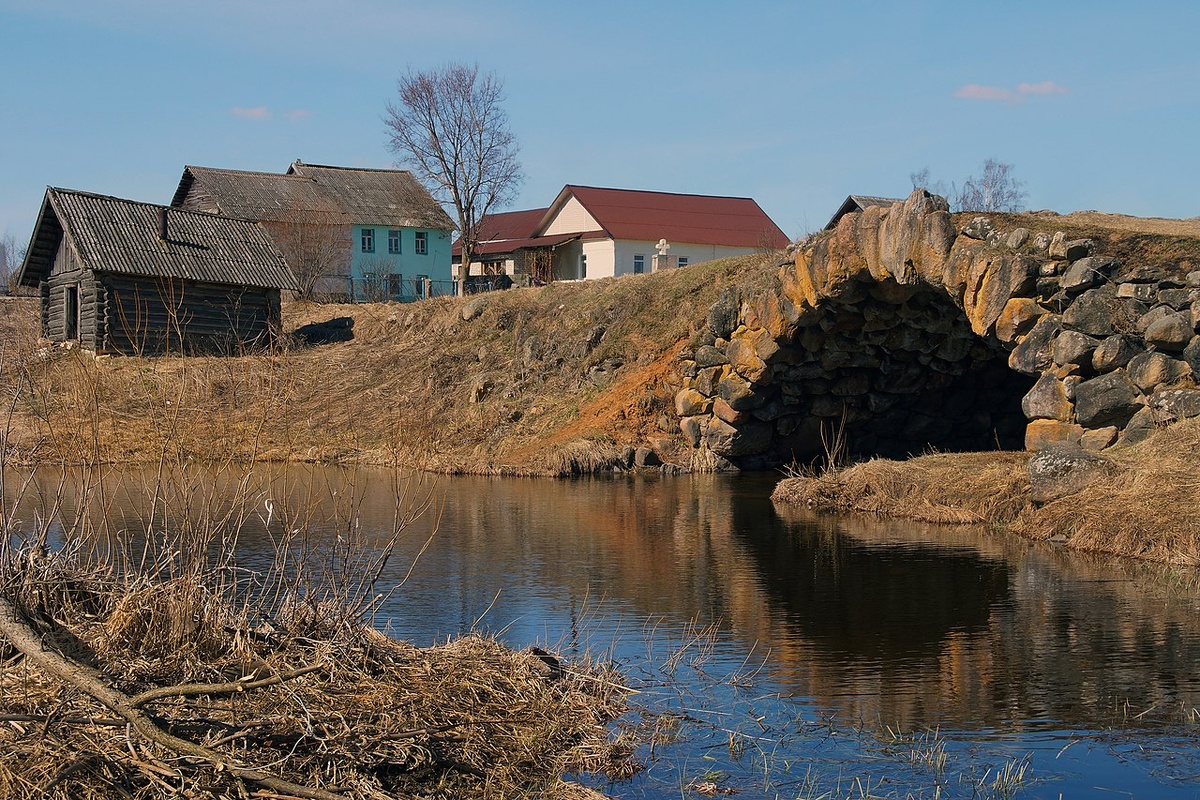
(181, 680)
(1141, 502)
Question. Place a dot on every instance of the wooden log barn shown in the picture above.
(119, 276)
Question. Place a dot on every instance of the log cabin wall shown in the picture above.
(76, 319)
(154, 317)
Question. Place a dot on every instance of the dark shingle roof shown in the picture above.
(318, 193)
(112, 235)
(858, 202)
(389, 197)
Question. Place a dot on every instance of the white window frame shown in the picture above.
(367, 240)
(682, 262)
(393, 242)
(639, 264)
(422, 246)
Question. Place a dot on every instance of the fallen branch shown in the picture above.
(22, 637)
(230, 687)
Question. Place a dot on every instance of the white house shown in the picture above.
(590, 232)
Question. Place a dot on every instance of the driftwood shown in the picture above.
(19, 634)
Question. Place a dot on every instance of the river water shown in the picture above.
(777, 653)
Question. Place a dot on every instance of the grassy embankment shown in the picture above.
(543, 381)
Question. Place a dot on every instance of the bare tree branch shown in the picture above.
(450, 129)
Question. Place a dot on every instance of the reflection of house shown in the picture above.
(589, 232)
(125, 277)
(363, 233)
(855, 203)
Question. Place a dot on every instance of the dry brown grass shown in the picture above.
(376, 719)
(416, 385)
(1147, 509)
(952, 488)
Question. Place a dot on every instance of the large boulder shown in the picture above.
(1034, 354)
(1172, 332)
(1047, 400)
(1058, 472)
(1110, 399)
(744, 440)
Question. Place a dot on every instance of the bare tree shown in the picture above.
(317, 248)
(11, 257)
(450, 128)
(994, 190)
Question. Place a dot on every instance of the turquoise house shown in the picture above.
(363, 235)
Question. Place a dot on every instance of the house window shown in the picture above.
(422, 243)
(683, 261)
(71, 313)
(583, 266)
(639, 264)
(368, 240)
(394, 242)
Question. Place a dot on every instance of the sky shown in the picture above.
(1095, 104)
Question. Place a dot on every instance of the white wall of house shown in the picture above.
(573, 218)
(625, 250)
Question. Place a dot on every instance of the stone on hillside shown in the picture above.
(1114, 352)
(725, 412)
(1041, 434)
(1073, 347)
(1176, 404)
(744, 359)
(689, 403)
(473, 308)
(723, 316)
(1077, 249)
(1151, 369)
(738, 393)
(1017, 318)
(1033, 355)
(593, 338)
(1086, 273)
(710, 356)
(646, 457)
(1059, 472)
(708, 378)
(1110, 399)
(1152, 316)
(692, 429)
(1193, 279)
(1095, 312)
(1178, 299)
(1041, 242)
(1191, 354)
(729, 442)
(1139, 427)
(979, 228)
(1047, 400)
(1145, 292)
(1172, 333)
(1058, 246)
(1017, 238)
(1002, 279)
(1100, 438)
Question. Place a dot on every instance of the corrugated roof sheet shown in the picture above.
(497, 229)
(682, 218)
(858, 202)
(377, 196)
(123, 236)
(262, 196)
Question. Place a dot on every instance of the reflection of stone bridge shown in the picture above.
(905, 333)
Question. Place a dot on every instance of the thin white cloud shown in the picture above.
(973, 91)
(1000, 94)
(297, 114)
(257, 112)
(1043, 88)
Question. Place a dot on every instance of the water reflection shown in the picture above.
(910, 625)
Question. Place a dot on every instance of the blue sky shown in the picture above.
(796, 104)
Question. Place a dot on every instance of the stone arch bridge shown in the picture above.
(897, 333)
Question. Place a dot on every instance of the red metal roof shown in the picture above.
(501, 233)
(678, 218)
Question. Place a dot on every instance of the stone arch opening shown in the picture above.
(894, 371)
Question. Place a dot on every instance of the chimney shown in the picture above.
(162, 224)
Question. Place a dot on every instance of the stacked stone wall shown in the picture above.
(897, 332)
